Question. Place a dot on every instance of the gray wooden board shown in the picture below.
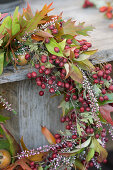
(33, 110)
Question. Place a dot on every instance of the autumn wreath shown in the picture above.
(61, 60)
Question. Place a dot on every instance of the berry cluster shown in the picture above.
(101, 76)
(87, 4)
(108, 10)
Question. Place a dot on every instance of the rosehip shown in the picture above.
(41, 93)
(56, 49)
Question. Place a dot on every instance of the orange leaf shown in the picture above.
(48, 135)
(36, 37)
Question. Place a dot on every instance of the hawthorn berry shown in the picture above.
(51, 90)
(69, 41)
(54, 31)
(29, 75)
(41, 93)
(56, 49)
(27, 56)
(34, 74)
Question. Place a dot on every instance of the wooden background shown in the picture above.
(33, 110)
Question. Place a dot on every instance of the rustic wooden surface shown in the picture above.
(33, 110)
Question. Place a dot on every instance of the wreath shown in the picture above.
(62, 65)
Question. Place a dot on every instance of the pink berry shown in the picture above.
(101, 98)
(37, 66)
(56, 49)
(29, 75)
(51, 90)
(34, 74)
(27, 56)
(82, 109)
(54, 31)
(69, 41)
(100, 73)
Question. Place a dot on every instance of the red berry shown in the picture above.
(111, 87)
(96, 81)
(107, 72)
(57, 136)
(58, 140)
(51, 27)
(34, 74)
(53, 57)
(41, 93)
(84, 47)
(100, 73)
(47, 71)
(59, 83)
(76, 51)
(61, 64)
(82, 109)
(62, 119)
(95, 76)
(65, 60)
(103, 9)
(74, 136)
(88, 44)
(69, 144)
(106, 98)
(67, 85)
(109, 15)
(67, 118)
(40, 71)
(104, 76)
(91, 130)
(81, 99)
(42, 67)
(43, 58)
(66, 47)
(37, 66)
(54, 155)
(101, 98)
(103, 91)
(88, 109)
(103, 134)
(29, 75)
(66, 99)
(54, 31)
(68, 127)
(50, 82)
(69, 41)
(88, 130)
(51, 90)
(108, 78)
(43, 86)
(74, 97)
(76, 55)
(101, 82)
(27, 56)
(105, 161)
(47, 40)
(91, 164)
(97, 136)
(56, 49)
(103, 130)
(39, 83)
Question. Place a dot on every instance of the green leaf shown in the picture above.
(75, 73)
(85, 144)
(79, 165)
(66, 107)
(79, 129)
(3, 118)
(1, 62)
(90, 154)
(50, 46)
(15, 22)
(80, 29)
(62, 44)
(6, 24)
(110, 96)
(85, 55)
(85, 65)
(96, 90)
(40, 168)
(4, 144)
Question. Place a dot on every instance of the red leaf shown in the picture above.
(105, 111)
(3, 15)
